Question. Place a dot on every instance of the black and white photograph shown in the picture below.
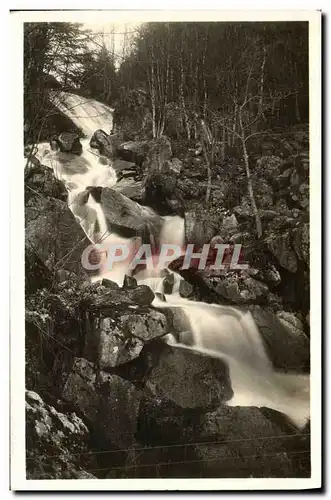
(168, 184)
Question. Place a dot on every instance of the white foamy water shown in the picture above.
(88, 114)
(224, 332)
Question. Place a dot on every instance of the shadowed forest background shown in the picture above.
(243, 78)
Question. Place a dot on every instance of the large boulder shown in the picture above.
(161, 193)
(280, 245)
(189, 379)
(121, 340)
(41, 179)
(53, 234)
(230, 442)
(130, 188)
(133, 151)
(107, 401)
(159, 152)
(56, 443)
(200, 227)
(106, 144)
(253, 445)
(127, 216)
(241, 288)
(287, 344)
(69, 143)
(124, 169)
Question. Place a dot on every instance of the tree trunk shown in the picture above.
(223, 145)
(234, 125)
(262, 81)
(258, 223)
(182, 100)
(152, 91)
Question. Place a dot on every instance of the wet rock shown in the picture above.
(160, 296)
(56, 443)
(189, 379)
(107, 401)
(106, 144)
(130, 188)
(129, 282)
(128, 216)
(40, 179)
(53, 234)
(69, 143)
(111, 285)
(168, 283)
(110, 301)
(286, 343)
(141, 295)
(186, 290)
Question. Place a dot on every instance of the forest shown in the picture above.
(244, 79)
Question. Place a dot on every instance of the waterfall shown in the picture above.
(87, 114)
(225, 332)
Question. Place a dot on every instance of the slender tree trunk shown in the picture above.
(223, 145)
(182, 99)
(234, 125)
(262, 81)
(258, 223)
(152, 92)
(229, 137)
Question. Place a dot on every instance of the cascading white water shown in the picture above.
(219, 331)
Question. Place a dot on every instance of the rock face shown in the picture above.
(241, 288)
(281, 247)
(40, 179)
(159, 152)
(56, 444)
(121, 212)
(161, 193)
(123, 339)
(287, 344)
(229, 442)
(199, 228)
(106, 144)
(69, 143)
(53, 234)
(133, 151)
(300, 240)
(107, 401)
(189, 379)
